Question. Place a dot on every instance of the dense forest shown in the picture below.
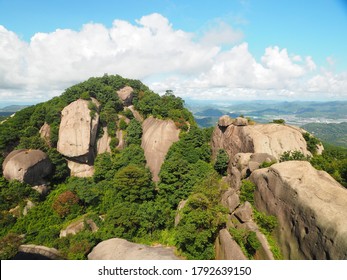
(121, 197)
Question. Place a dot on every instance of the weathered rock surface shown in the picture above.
(244, 212)
(225, 121)
(136, 114)
(311, 208)
(78, 226)
(227, 248)
(103, 144)
(45, 133)
(240, 121)
(230, 199)
(120, 249)
(157, 138)
(77, 132)
(126, 95)
(246, 163)
(29, 166)
(120, 137)
(273, 139)
(80, 170)
(50, 253)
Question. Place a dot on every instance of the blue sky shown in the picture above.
(231, 49)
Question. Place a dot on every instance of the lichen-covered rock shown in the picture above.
(120, 249)
(311, 208)
(77, 131)
(126, 95)
(157, 138)
(227, 248)
(29, 166)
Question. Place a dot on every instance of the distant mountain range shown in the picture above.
(296, 112)
(9, 110)
(333, 133)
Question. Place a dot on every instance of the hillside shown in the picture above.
(333, 133)
(111, 164)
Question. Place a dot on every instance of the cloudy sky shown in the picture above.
(218, 49)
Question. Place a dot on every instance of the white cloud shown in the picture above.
(220, 34)
(167, 58)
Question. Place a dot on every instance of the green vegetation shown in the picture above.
(312, 143)
(293, 155)
(247, 241)
(279, 121)
(333, 133)
(222, 161)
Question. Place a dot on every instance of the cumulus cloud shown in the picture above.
(163, 57)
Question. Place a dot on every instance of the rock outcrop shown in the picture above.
(157, 138)
(272, 139)
(44, 252)
(126, 95)
(78, 226)
(311, 208)
(80, 170)
(29, 166)
(77, 132)
(45, 133)
(103, 144)
(120, 249)
(227, 248)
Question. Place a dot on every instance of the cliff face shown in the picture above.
(311, 208)
(157, 138)
(273, 139)
(77, 136)
(77, 131)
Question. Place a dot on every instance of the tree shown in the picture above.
(134, 132)
(65, 204)
(134, 184)
(222, 161)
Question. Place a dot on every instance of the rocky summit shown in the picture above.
(115, 163)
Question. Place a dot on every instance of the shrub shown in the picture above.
(65, 203)
(247, 191)
(222, 161)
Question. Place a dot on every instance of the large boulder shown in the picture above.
(121, 249)
(157, 138)
(77, 131)
(227, 248)
(126, 95)
(311, 208)
(29, 166)
(272, 139)
(30, 251)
